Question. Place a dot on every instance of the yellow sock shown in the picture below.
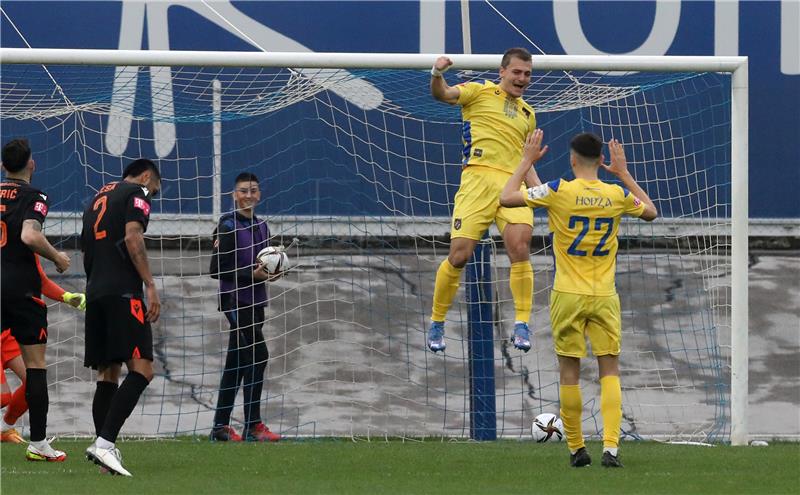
(571, 409)
(521, 282)
(444, 290)
(611, 409)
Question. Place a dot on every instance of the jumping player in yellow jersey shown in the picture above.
(495, 122)
(584, 219)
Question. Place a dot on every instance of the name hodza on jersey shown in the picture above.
(598, 201)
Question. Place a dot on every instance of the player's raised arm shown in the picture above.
(532, 152)
(619, 167)
(134, 241)
(439, 88)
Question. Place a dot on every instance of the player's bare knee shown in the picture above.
(608, 365)
(518, 252)
(460, 251)
(142, 366)
(517, 245)
(109, 373)
(458, 260)
(458, 257)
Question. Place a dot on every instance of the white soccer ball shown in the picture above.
(273, 259)
(547, 428)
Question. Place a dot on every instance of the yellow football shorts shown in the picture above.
(477, 204)
(573, 317)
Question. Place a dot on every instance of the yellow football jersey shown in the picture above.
(584, 220)
(494, 126)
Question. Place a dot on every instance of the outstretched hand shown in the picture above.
(619, 164)
(532, 150)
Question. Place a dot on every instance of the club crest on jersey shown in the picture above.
(142, 205)
(636, 202)
(40, 207)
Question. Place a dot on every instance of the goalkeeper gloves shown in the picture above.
(75, 299)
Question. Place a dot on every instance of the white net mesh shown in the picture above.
(361, 166)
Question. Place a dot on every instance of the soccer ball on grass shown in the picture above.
(547, 428)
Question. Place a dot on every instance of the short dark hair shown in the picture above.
(246, 177)
(16, 154)
(520, 53)
(140, 166)
(587, 144)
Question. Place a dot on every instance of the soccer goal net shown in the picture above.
(360, 165)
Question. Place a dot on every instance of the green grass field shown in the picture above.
(342, 466)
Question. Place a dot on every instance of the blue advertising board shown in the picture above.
(766, 32)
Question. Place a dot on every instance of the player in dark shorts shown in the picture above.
(12, 359)
(117, 318)
(23, 210)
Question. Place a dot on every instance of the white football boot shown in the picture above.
(44, 452)
(110, 459)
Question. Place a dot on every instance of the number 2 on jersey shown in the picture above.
(586, 222)
(101, 204)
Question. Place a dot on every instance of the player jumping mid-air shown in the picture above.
(495, 122)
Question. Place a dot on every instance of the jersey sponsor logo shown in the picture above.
(41, 208)
(636, 202)
(538, 192)
(137, 310)
(142, 205)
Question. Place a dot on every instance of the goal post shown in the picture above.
(318, 78)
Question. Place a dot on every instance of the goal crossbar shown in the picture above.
(362, 60)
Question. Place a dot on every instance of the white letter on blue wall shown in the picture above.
(570, 31)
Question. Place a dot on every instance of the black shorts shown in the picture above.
(116, 331)
(27, 319)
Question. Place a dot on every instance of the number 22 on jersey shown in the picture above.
(585, 223)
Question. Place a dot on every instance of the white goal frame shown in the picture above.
(736, 66)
